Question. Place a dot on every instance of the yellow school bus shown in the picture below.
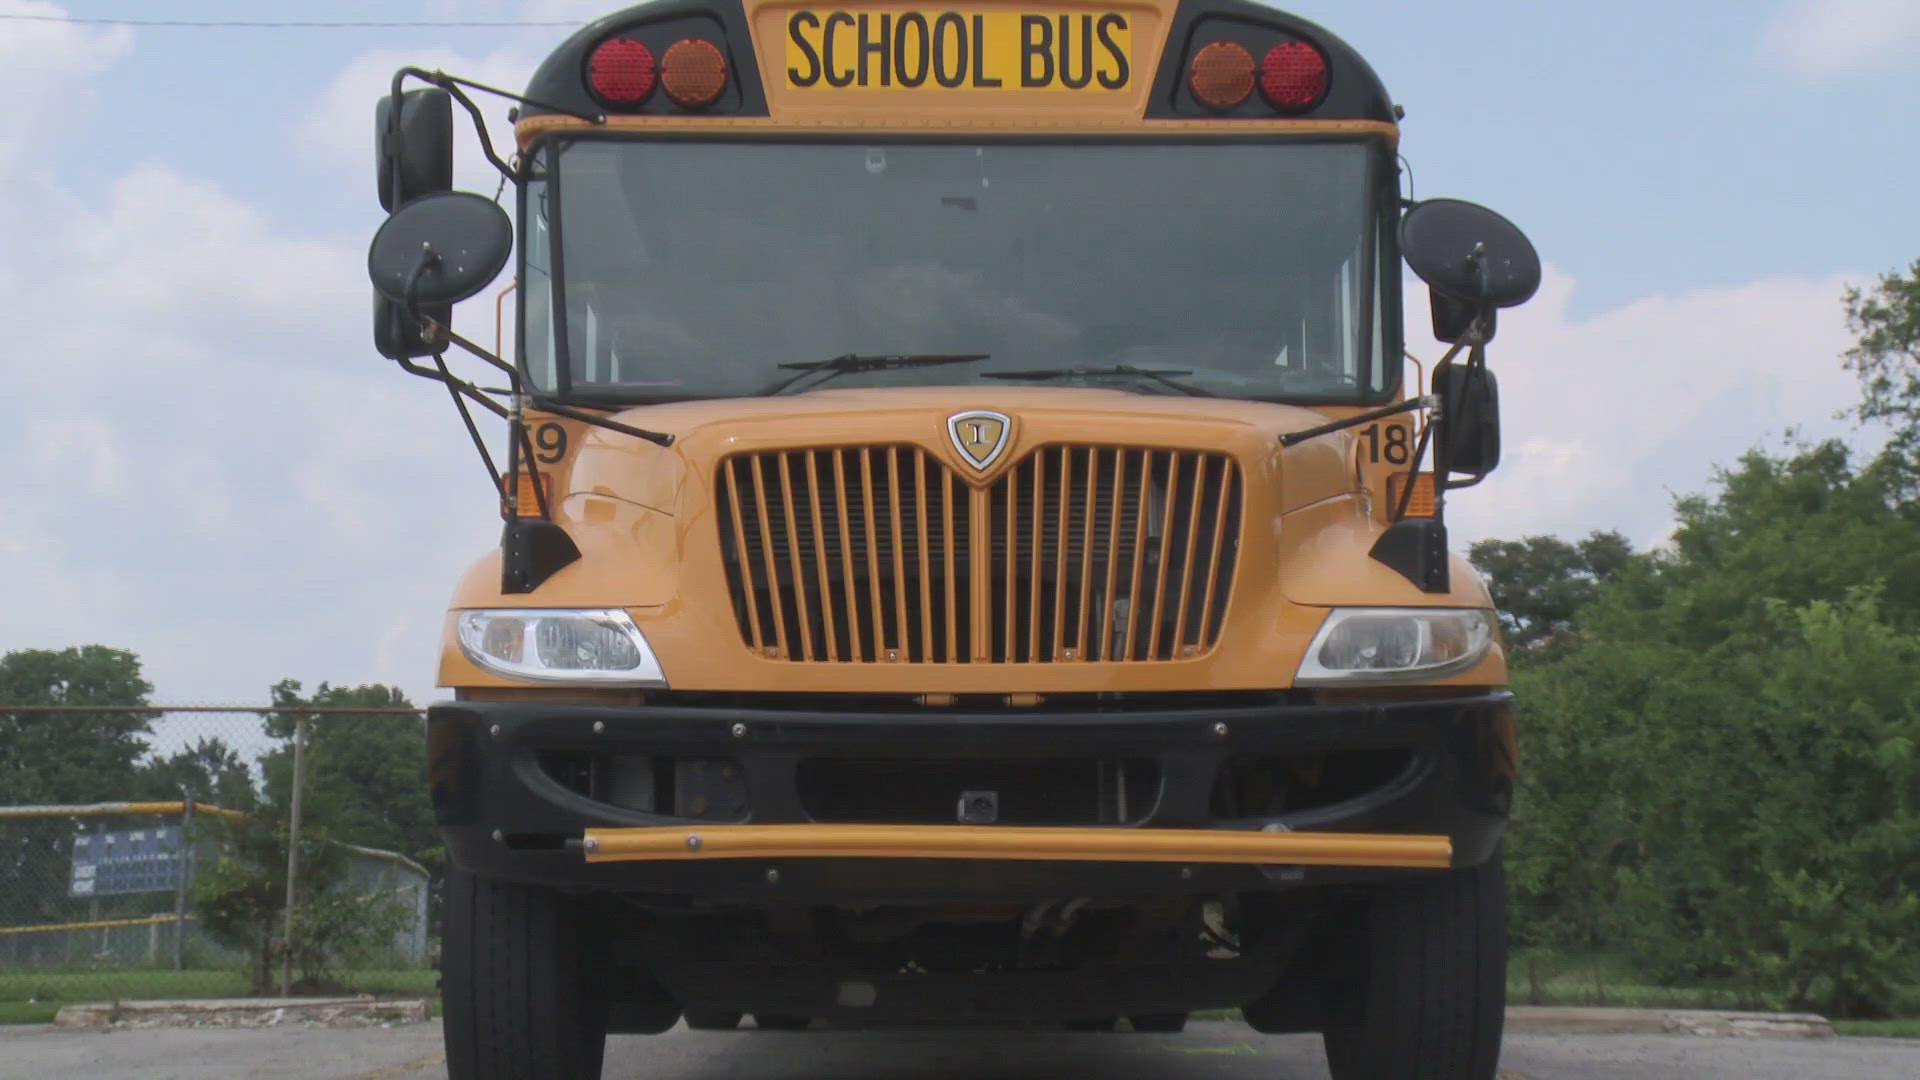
(973, 547)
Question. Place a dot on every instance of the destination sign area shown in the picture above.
(938, 50)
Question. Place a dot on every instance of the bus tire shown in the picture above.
(1433, 1001)
(712, 1019)
(522, 998)
(780, 1022)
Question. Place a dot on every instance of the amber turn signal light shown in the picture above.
(1221, 75)
(694, 71)
(1421, 502)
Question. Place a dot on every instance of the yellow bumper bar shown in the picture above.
(1007, 842)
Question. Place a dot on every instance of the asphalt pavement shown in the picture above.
(1208, 1051)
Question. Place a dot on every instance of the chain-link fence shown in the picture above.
(185, 892)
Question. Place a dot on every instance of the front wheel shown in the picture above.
(1433, 1001)
(522, 996)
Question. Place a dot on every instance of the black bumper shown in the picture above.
(505, 814)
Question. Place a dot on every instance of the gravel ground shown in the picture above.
(1208, 1051)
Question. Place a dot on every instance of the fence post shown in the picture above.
(293, 851)
(185, 861)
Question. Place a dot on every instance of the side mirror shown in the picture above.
(440, 249)
(418, 155)
(1470, 418)
(397, 336)
(1474, 260)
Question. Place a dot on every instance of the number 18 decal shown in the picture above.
(1394, 446)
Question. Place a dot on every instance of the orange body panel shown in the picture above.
(647, 524)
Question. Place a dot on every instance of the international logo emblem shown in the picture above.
(979, 435)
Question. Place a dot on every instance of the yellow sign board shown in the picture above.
(953, 50)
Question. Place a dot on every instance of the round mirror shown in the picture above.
(446, 247)
(1470, 253)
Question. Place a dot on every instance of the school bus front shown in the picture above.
(972, 548)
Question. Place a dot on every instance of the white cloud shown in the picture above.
(219, 473)
(43, 66)
(1822, 38)
(339, 129)
(1607, 417)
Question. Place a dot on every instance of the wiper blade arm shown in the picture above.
(1163, 376)
(855, 362)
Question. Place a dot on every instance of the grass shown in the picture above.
(1907, 1028)
(31, 997)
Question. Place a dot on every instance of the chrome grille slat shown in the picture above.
(1075, 553)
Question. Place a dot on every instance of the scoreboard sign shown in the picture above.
(120, 863)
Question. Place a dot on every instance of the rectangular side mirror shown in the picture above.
(422, 153)
(397, 337)
(1470, 411)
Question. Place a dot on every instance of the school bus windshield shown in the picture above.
(692, 269)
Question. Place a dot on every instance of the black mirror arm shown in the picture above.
(547, 404)
(458, 385)
(452, 84)
(657, 438)
(466, 417)
(1294, 438)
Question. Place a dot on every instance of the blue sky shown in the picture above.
(188, 209)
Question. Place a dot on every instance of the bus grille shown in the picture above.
(1076, 553)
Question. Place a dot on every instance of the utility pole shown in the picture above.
(293, 851)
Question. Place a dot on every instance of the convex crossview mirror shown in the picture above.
(440, 249)
(1473, 260)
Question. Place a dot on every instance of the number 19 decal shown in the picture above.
(551, 440)
(1395, 445)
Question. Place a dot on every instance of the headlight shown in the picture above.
(1359, 645)
(560, 646)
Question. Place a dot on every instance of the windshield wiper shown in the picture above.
(854, 362)
(1163, 376)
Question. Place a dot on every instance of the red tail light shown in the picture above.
(1222, 75)
(694, 71)
(1293, 76)
(621, 71)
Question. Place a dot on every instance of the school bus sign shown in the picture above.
(946, 49)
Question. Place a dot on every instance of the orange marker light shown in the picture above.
(1421, 504)
(1222, 75)
(526, 501)
(694, 72)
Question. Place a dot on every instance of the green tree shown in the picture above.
(71, 756)
(1718, 765)
(1540, 583)
(240, 899)
(64, 757)
(365, 773)
(209, 771)
(1886, 354)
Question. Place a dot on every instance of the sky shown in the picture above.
(207, 463)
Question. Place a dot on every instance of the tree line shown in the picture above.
(363, 785)
(1720, 740)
